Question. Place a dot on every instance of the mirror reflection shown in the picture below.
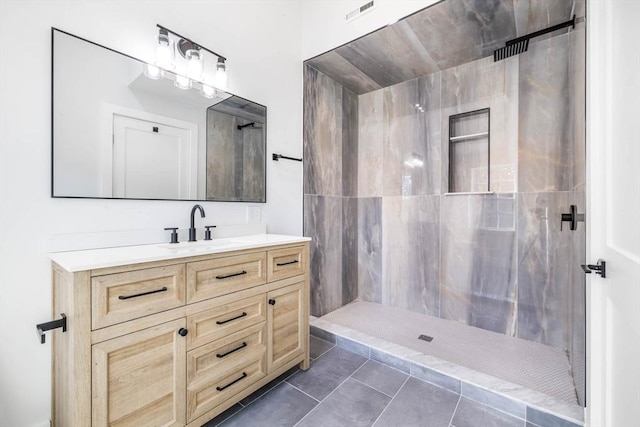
(120, 134)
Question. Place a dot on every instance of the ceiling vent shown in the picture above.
(365, 8)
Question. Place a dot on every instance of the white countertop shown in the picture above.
(112, 257)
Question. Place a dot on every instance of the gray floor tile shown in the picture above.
(380, 377)
(223, 416)
(327, 372)
(265, 388)
(353, 346)
(318, 346)
(352, 405)
(281, 407)
(471, 414)
(391, 360)
(419, 403)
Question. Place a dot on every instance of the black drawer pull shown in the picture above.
(244, 344)
(280, 264)
(232, 319)
(231, 275)
(163, 289)
(244, 375)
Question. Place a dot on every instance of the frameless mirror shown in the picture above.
(119, 134)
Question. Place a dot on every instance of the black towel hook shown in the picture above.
(275, 157)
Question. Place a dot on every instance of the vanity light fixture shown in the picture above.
(189, 73)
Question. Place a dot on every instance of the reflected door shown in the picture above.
(153, 160)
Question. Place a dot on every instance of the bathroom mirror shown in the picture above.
(119, 134)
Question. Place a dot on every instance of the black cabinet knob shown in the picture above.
(183, 332)
(272, 302)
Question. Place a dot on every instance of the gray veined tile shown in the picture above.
(323, 223)
(471, 414)
(350, 241)
(353, 404)
(434, 377)
(322, 334)
(353, 346)
(322, 139)
(370, 144)
(380, 377)
(369, 254)
(489, 398)
(327, 372)
(544, 419)
(349, 143)
(411, 228)
(343, 72)
(283, 406)
(391, 360)
(419, 402)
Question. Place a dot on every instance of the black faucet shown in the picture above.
(192, 229)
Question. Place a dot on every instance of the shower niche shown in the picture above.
(469, 160)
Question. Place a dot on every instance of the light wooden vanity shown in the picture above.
(176, 341)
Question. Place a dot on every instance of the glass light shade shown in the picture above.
(220, 78)
(182, 82)
(195, 63)
(208, 91)
(152, 72)
(164, 52)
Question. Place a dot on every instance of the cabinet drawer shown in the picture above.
(217, 371)
(117, 298)
(212, 278)
(286, 262)
(225, 319)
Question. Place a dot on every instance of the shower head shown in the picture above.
(521, 44)
(251, 125)
(510, 49)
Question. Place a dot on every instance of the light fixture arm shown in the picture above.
(191, 41)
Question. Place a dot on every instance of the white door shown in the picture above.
(613, 209)
(153, 160)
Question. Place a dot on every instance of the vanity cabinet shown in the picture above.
(176, 342)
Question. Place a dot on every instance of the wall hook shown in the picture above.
(54, 324)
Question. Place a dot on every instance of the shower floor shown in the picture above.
(535, 366)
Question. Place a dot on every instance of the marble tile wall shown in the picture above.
(330, 190)
(478, 275)
(498, 261)
(411, 253)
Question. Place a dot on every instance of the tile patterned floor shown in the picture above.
(343, 388)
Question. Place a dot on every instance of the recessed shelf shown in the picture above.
(470, 136)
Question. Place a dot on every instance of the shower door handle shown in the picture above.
(573, 217)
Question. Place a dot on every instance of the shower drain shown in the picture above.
(426, 338)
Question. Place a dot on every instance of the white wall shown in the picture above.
(325, 27)
(260, 40)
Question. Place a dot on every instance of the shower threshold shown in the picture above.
(515, 376)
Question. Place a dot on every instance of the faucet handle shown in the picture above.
(207, 233)
(174, 234)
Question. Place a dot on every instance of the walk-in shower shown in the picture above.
(435, 180)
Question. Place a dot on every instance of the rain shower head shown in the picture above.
(521, 44)
(251, 125)
(515, 48)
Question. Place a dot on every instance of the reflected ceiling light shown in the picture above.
(221, 74)
(182, 82)
(415, 161)
(192, 68)
(208, 91)
(152, 72)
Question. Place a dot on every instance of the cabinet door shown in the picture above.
(139, 379)
(285, 316)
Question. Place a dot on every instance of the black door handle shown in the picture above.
(599, 268)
